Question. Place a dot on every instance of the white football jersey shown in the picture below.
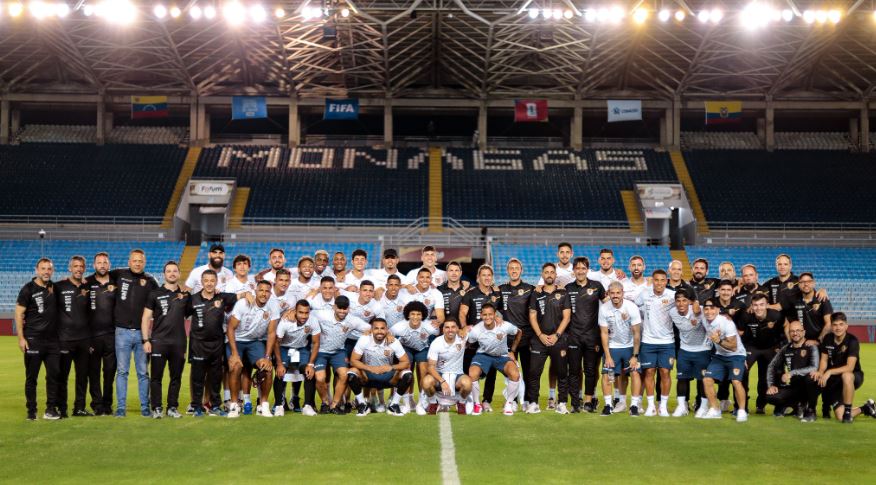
(223, 277)
(377, 353)
(656, 324)
(448, 356)
(254, 320)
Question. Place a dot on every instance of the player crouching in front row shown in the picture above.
(373, 368)
(445, 371)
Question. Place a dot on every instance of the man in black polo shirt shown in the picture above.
(789, 381)
(474, 299)
(453, 290)
(549, 315)
(763, 331)
(784, 282)
(207, 340)
(515, 309)
(583, 298)
(704, 287)
(839, 372)
(803, 305)
(35, 319)
(164, 331)
(133, 286)
(749, 287)
(74, 335)
(102, 300)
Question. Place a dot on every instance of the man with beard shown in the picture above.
(515, 308)
(216, 262)
(675, 271)
(763, 330)
(446, 376)
(726, 271)
(380, 275)
(803, 305)
(102, 299)
(750, 286)
(453, 290)
(620, 331)
(164, 333)
(74, 335)
(372, 366)
(470, 308)
(583, 297)
(703, 286)
(549, 316)
(298, 343)
(303, 281)
(415, 332)
(492, 339)
(633, 286)
(277, 260)
(606, 273)
(788, 377)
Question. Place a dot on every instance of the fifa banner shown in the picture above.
(146, 107)
(624, 110)
(248, 107)
(721, 112)
(527, 110)
(341, 109)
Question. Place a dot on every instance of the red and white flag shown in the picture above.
(526, 110)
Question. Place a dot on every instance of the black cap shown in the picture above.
(342, 302)
(390, 253)
(217, 247)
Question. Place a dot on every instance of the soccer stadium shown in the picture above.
(438, 241)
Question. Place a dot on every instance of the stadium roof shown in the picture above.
(448, 48)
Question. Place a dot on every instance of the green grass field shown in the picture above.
(385, 449)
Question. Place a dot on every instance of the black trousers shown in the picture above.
(74, 354)
(207, 366)
(762, 358)
(539, 355)
(524, 353)
(801, 390)
(41, 353)
(592, 357)
(280, 391)
(102, 363)
(173, 357)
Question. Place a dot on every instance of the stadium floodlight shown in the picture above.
(616, 14)
(121, 12)
(568, 14)
(533, 13)
(590, 15)
(62, 10)
(680, 15)
(821, 16)
(195, 12)
(209, 12)
(234, 13)
(787, 15)
(717, 15)
(704, 16)
(175, 12)
(279, 12)
(558, 14)
(88, 10)
(640, 15)
(756, 15)
(602, 15)
(39, 10)
(160, 11)
(664, 15)
(547, 13)
(834, 16)
(345, 12)
(257, 13)
(16, 9)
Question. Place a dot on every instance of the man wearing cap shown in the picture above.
(379, 276)
(728, 361)
(216, 261)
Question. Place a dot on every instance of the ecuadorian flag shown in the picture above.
(718, 112)
(143, 107)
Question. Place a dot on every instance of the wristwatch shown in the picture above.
(636, 356)
(147, 340)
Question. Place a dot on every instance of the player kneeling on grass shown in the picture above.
(373, 368)
(728, 361)
(620, 325)
(839, 372)
(297, 348)
(414, 333)
(491, 336)
(445, 371)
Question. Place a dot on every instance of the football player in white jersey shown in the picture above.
(427, 294)
(372, 367)
(242, 280)
(445, 370)
(633, 285)
(727, 362)
(323, 297)
(620, 326)
(247, 333)
(321, 263)
(295, 353)
(380, 275)
(216, 263)
(280, 294)
(276, 260)
(493, 353)
(415, 333)
(304, 282)
(565, 272)
(693, 353)
(355, 277)
(429, 257)
(392, 301)
(658, 340)
(606, 272)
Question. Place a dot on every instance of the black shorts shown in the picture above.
(832, 395)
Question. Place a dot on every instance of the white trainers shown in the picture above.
(712, 413)
(421, 410)
(726, 406)
(234, 410)
(381, 408)
(264, 410)
(514, 406)
(469, 408)
(552, 403)
(279, 411)
(741, 416)
(620, 407)
(701, 412)
(680, 410)
(487, 408)
(533, 408)
(308, 411)
(508, 410)
(561, 408)
(663, 412)
(651, 411)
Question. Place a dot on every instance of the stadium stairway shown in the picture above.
(687, 182)
(185, 174)
(238, 207)
(436, 210)
(634, 216)
(681, 255)
(187, 261)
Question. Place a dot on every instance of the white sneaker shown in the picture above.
(552, 403)
(487, 408)
(508, 410)
(308, 411)
(620, 407)
(514, 406)
(680, 410)
(663, 412)
(651, 411)
(421, 411)
(741, 416)
(561, 408)
(403, 406)
(469, 408)
(381, 408)
(533, 408)
(279, 411)
(726, 406)
(701, 412)
(712, 413)
(264, 410)
(234, 410)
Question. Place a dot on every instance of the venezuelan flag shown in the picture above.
(718, 112)
(143, 107)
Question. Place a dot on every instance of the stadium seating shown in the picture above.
(812, 140)
(18, 258)
(720, 140)
(88, 180)
(58, 134)
(848, 274)
(540, 185)
(330, 183)
(784, 186)
(133, 135)
(259, 251)
(533, 256)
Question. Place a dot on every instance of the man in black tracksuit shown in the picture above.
(549, 316)
(102, 299)
(763, 332)
(35, 319)
(788, 378)
(515, 309)
(164, 331)
(583, 297)
(74, 335)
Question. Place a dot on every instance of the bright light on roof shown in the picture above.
(257, 13)
(39, 10)
(279, 12)
(121, 12)
(195, 12)
(533, 13)
(616, 14)
(567, 14)
(704, 16)
(664, 15)
(809, 16)
(558, 14)
(345, 12)
(160, 11)
(210, 12)
(175, 12)
(821, 16)
(16, 9)
(590, 15)
(234, 13)
(680, 15)
(62, 10)
(640, 15)
(834, 16)
(787, 15)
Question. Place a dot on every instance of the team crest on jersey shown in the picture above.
(264, 315)
(493, 299)
(461, 292)
(558, 296)
(427, 302)
(307, 329)
(458, 347)
(590, 291)
(562, 353)
(387, 353)
(142, 282)
(707, 286)
(180, 296)
(84, 292)
(367, 313)
(222, 279)
(816, 306)
(664, 301)
(424, 335)
(803, 353)
(500, 336)
(771, 324)
(50, 289)
(217, 304)
(624, 316)
(399, 308)
(345, 328)
(790, 285)
(521, 291)
(111, 288)
(843, 348)
(735, 372)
